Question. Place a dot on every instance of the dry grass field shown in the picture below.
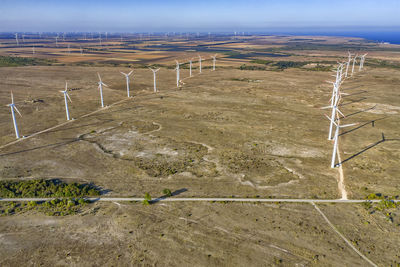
(251, 128)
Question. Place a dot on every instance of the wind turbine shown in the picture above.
(336, 139)
(16, 38)
(56, 40)
(33, 49)
(200, 62)
(354, 62)
(348, 64)
(154, 75)
(101, 89)
(362, 61)
(127, 81)
(65, 92)
(13, 107)
(177, 73)
(190, 68)
(335, 109)
(69, 50)
(214, 60)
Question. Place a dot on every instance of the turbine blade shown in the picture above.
(123, 73)
(98, 74)
(130, 72)
(340, 112)
(348, 125)
(12, 98)
(68, 97)
(17, 110)
(105, 84)
(326, 107)
(331, 120)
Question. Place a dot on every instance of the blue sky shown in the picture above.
(200, 15)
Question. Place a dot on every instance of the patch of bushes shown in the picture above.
(289, 64)
(8, 61)
(54, 207)
(251, 67)
(386, 206)
(46, 188)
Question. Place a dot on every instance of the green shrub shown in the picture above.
(167, 192)
(147, 199)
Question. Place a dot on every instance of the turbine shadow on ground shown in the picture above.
(368, 148)
(175, 193)
(81, 126)
(372, 122)
(357, 112)
(41, 147)
(357, 93)
(353, 101)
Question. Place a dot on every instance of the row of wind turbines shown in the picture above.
(100, 87)
(342, 72)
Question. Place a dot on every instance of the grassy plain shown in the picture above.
(252, 128)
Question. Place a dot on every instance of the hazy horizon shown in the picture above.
(182, 16)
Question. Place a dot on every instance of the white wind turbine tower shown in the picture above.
(154, 76)
(65, 92)
(69, 49)
(214, 60)
(127, 81)
(362, 59)
(56, 40)
(101, 90)
(190, 68)
(16, 38)
(354, 62)
(200, 62)
(177, 73)
(336, 139)
(348, 64)
(334, 106)
(33, 49)
(13, 107)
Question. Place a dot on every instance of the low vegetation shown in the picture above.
(147, 199)
(8, 61)
(251, 67)
(46, 188)
(377, 63)
(386, 206)
(167, 192)
(290, 64)
(319, 67)
(55, 207)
